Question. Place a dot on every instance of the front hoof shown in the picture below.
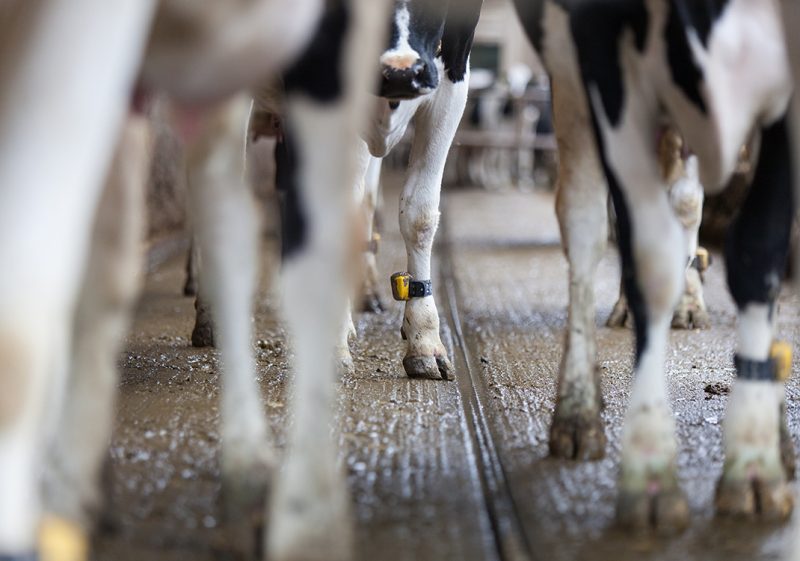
(620, 315)
(754, 498)
(431, 367)
(690, 317)
(663, 511)
(202, 334)
(371, 303)
(577, 437)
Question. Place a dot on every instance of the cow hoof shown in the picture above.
(371, 303)
(310, 528)
(190, 288)
(620, 315)
(202, 334)
(245, 495)
(664, 511)
(577, 437)
(754, 498)
(690, 317)
(431, 367)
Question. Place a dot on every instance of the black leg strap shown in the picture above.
(404, 287)
(756, 370)
(420, 289)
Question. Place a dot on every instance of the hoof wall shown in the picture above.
(665, 512)
(577, 438)
(431, 367)
(770, 501)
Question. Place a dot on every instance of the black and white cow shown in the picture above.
(424, 78)
(67, 294)
(715, 70)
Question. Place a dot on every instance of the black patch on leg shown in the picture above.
(682, 67)
(630, 283)
(757, 246)
(318, 71)
(530, 15)
(293, 221)
(597, 28)
(457, 38)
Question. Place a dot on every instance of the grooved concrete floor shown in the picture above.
(425, 482)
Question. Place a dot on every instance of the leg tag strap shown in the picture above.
(404, 287)
(777, 368)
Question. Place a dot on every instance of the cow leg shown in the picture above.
(652, 249)
(577, 429)
(753, 480)
(226, 231)
(46, 216)
(370, 295)
(192, 270)
(436, 124)
(110, 286)
(686, 197)
(310, 511)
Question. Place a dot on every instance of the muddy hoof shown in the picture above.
(203, 335)
(190, 288)
(665, 512)
(431, 367)
(690, 319)
(620, 315)
(754, 498)
(577, 437)
(371, 304)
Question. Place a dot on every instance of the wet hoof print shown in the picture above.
(663, 511)
(754, 498)
(429, 367)
(577, 437)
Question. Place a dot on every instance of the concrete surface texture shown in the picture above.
(437, 470)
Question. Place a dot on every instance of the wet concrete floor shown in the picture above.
(437, 470)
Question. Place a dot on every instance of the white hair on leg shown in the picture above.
(46, 215)
(227, 234)
(109, 289)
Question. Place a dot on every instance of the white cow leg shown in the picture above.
(227, 234)
(759, 455)
(46, 216)
(652, 248)
(310, 517)
(686, 196)
(577, 428)
(110, 286)
(436, 123)
(370, 295)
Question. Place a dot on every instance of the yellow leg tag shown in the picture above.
(62, 540)
(400, 286)
(781, 354)
(703, 259)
